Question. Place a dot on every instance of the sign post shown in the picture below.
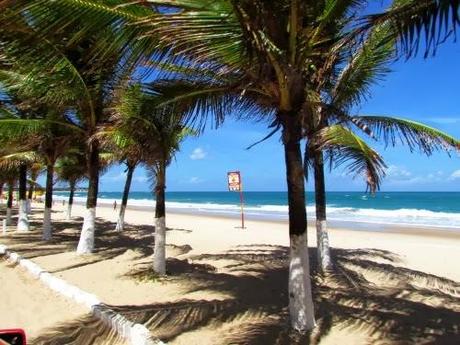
(235, 185)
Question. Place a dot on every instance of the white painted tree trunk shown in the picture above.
(121, 219)
(159, 253)
(23, 220)
(47, 230)
(28, 206)
(69, 212)
(9, 219)
(86, 243)
(300, 296)
(324, 254)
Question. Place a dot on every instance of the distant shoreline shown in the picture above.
(348, 225)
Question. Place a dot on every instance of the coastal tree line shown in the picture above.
(85, 84)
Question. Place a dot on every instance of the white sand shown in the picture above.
(228, 286)
(26, 303)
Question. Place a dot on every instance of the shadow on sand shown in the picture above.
(368, 292)
(86, 330)
(411, 307)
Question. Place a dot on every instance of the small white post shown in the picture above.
(4, 226)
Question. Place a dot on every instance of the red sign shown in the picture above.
(234, 181)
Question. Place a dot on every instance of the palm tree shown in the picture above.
(23, 220)
(168, 125)
(35, 171)
(349, 85)
(47, 139)
(264, 56)
(9, 203)
(155, 134)
(126, 145)
(82, 71)
(71, 168)
(10, 175)
(262, 61)
(253, 57)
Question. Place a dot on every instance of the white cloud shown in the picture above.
(398, 173)
(198, 154)
(400, 176)
(195, 180)
(140, 179)
(455, 175)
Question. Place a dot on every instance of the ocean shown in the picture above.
(427, 209)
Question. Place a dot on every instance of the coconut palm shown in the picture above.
(9, 203)
(253, 57)
(81, 72)
(272, 58)
(23, 220)
(170, 131)
(126, 145)
(267, 62)
(35, 170)
(154, 134)
(329, 129)
(9, 175)
(19, 161)
(43, 136)
(71, 168)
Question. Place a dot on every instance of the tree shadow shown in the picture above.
(108, 242)
(406, 307)
(85, 330)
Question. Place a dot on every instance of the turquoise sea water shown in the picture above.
(432, 209)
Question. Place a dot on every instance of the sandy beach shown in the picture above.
(227, 285)
(46, 316)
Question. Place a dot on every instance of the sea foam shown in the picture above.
(402, 216)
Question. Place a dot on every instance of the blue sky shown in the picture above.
(424, 90)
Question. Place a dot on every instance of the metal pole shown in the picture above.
(242, 210)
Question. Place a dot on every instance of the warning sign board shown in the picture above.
(234, 181)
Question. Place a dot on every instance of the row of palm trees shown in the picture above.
(70, 75)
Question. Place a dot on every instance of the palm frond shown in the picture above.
(415, 21)
(14, 160)
(204, 102)
(414, 134)
(347, 148)
(366, 67)
(210, 34)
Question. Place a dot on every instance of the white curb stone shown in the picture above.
(32, 267)
(135, 333)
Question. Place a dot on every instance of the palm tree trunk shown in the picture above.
(70, 203)
(300, 295)
(47, 230)
(86, 243)
(30, 192)
(323, 252)
(9, 203)
(29, 195)
(23, 220)
(124, 201)
(159, 253)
